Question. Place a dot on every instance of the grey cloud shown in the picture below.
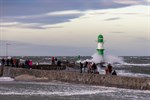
(49, 19)
(47, 26)
(53, 11)
(101, 13)
(29, 25)
(22, 25)
(32, 27)
(110, 19)
(98, 13)
(51, 14)
(140, 14)
(43, 19)
(131, 2)
(32, 7)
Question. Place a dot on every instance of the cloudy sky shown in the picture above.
(71, 27)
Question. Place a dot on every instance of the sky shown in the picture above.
(71, 27)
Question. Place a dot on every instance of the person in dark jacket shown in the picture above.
(7, 61)
(85, 65)
(3, 61)
(81, 66)
(17, 62)
(114, 73)
(53, 60)
(58, 63)
(94, 68)
(11, 62)
(109, 68)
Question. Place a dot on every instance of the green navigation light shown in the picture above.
(100, 38)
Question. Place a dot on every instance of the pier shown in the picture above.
(81, 78)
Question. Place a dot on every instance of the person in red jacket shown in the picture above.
(109, 68)
(30, 64)
(53, 60)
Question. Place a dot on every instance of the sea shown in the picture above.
(132, 66)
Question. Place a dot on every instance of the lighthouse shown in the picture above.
(100, 47)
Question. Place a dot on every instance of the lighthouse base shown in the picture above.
(100, 51)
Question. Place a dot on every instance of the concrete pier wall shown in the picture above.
(82, 78)
(1, 71)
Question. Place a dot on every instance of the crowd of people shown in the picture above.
(91, 67)
(16, 62)
(10, 62)
(55, 61)
(108, 70)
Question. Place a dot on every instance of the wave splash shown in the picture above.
(96, 58)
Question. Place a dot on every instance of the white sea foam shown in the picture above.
(132, 64)
(126, 73)
(6, 79)
(75, 90)
(69, 92)
(114, 59)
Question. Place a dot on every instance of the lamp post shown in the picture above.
(7, 45)
(1, 42)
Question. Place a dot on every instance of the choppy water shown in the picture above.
(132, 66)
(63, 91)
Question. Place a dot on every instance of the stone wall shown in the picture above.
(49, 67)
(83, 78)
(1, 71)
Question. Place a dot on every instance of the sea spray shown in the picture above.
(114, 59)
(96, 58)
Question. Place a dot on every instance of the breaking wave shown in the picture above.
(96, 58)
(130, 74)
(132, 64)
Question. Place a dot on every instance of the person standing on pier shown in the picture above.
(81, 66)
(8, 61)
(85, 65)
(94, 67)
(109, 68)
(53, 60)
(3, 61)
